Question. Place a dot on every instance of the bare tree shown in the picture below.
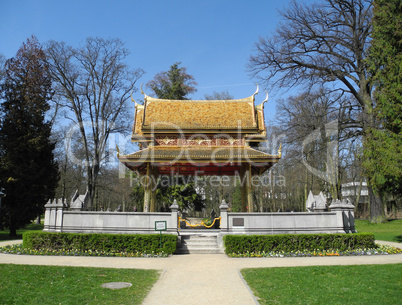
(323, 44)
(312, 115)
(2, 62)
(318, 44)
(224, 95)
(94, 83)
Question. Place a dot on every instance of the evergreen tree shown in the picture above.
(383, 149)
(174, 84)
(27, 169)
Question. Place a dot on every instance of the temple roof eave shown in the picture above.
(201, 154)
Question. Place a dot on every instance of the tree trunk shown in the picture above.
(376, 207)
(358, 194)
(13, 228)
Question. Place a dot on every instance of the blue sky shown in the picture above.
(213, 39)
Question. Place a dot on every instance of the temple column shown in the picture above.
(153, 177)
(147, 189)
(243, 185)
(249, 186)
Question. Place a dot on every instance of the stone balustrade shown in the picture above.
(339, 220)
(58, 219)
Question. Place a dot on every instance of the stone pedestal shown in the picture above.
(174, 208)
(54, 216)
(348, 216)
(224, 215)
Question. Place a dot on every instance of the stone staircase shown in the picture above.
(199, 244)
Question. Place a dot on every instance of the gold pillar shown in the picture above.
(243, 185)
(153, 177)
(147, 189)
(250, 195)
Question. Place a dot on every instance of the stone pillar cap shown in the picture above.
(344, 204)
(223, 205)
(174, 206)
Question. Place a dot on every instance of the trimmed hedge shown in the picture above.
(143, 243)
(297, 242)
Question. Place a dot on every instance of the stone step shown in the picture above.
(199, 251)
(209, 239)
(200, 244)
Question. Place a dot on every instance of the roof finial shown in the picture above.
(256, 92)
(118, 150)
(132, 99)
(260, 106)
(142, 92)
(280, 151)
(266, 98)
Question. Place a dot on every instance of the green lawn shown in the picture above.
(363, 284)
(389, 231)
(20, 284)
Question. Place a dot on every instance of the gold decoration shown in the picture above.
(199, 224)
(166, 140)
(261, 106)
(231, 140)
(132, 99)
(255, 93)
(199, 140)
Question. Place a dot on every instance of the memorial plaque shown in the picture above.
(238, 222)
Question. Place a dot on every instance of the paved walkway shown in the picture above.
(203, 278)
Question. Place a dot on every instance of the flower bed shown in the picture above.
(19, 249)
(380, 250)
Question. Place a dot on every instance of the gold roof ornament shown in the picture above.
(145, 96)
(255, 93)
(261, 106)
(280, 151)
(118, 151)
(133, 100)
(266, 98)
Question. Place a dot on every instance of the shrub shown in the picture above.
(144, 243)
(297, 242)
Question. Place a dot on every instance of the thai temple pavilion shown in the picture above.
(199, 137)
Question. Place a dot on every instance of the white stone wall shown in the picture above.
(339, 220)
(59, 220)
(286, 223)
